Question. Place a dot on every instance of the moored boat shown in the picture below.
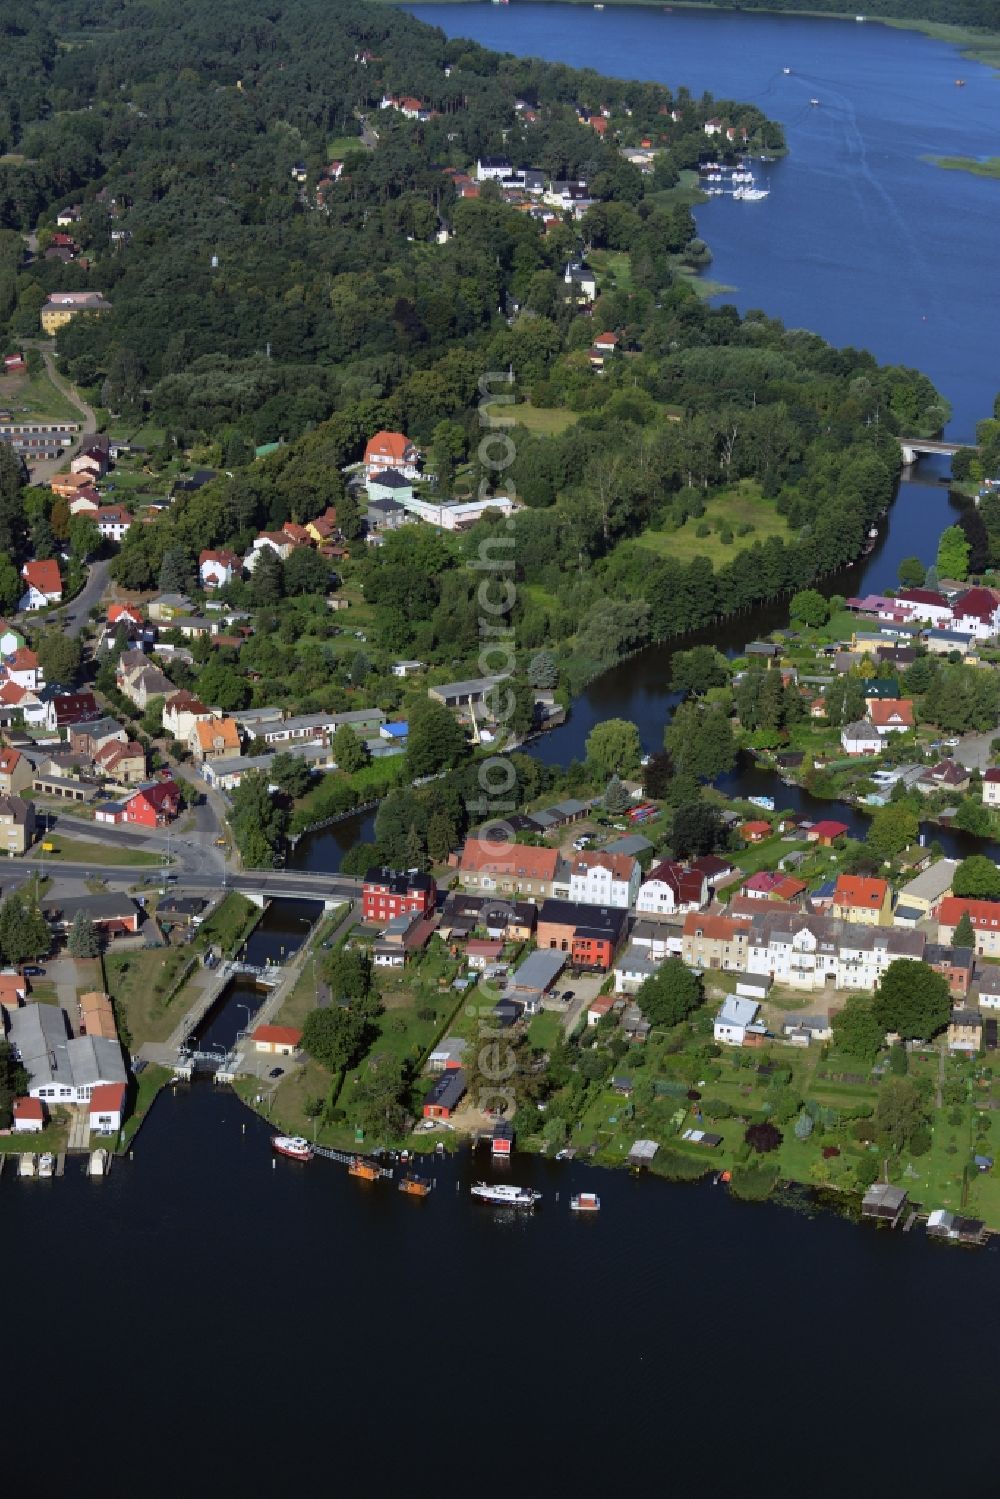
(98, 1163)
(366, 1170)
(46, 1165)
(585, 1202)
(294, 1146)
(26, 1165)
(414, 1186)
(503, 1196)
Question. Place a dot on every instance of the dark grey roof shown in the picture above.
(448, 1090)
(98, 907)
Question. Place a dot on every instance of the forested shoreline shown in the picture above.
(245, 310)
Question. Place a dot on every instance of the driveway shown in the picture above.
(43, 472)
(974, 751)
(585, 991)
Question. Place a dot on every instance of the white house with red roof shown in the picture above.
(600, 879)
(392, 450)
(128, 614)
(926, 603)
(43, 584)
(113, 522)
(277, 542)
(29, 1116)
(670, 887)
(277, 1040)
(218, 567)
(86, 501)
(991, 788)
(977, 612)
(607, 343)
(107, 1108)
(23, 669)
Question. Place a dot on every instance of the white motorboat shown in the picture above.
(504, 1196)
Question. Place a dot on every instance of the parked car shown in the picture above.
(276, 1072)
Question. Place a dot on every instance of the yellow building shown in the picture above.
(63, 306)
(863, 900)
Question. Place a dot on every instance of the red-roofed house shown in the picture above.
(29, 1116)
(991, 787)
(976, 612)
(113, 522)
(124, 763)
(154, 805)
(607, 343)
(715, 941)
(926, 603)
(670, 887)
(23, 669)
(769, 884)
(68, 708)
(129, 614)
(107, 1107)
(392, 450)
(862, 899)
(218, 567)
(601, 879)
(984, 916)
(754, 831)
(826, 832)
(508, 868)
(277, 1040)
(16, 774)
(891, 715)
(44, 584)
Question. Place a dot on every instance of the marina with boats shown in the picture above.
(737, 181)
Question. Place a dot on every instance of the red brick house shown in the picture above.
(589, 934)
(391, 892)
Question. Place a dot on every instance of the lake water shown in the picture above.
(244, 1324)
(861, 239)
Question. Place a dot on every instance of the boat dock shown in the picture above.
(347, 1158)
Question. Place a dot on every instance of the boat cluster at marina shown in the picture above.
(718, 181)
(496, 1194)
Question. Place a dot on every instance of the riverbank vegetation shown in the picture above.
(314, 319)
(990, 167)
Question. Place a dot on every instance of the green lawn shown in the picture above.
(141, 984)
(342, 144)
(542, 421)
(616, 264)
(36, 395)
(545, 1030)
(232, 921)
(742, 505)
(80, 851)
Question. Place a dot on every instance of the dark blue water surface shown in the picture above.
(861, 239)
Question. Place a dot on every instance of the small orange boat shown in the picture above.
(365, 1169)
(415, 1186)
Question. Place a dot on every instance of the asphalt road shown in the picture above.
(73, 616)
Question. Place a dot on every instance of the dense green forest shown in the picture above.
(245, 309)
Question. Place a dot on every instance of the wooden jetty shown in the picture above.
(351, 1160)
